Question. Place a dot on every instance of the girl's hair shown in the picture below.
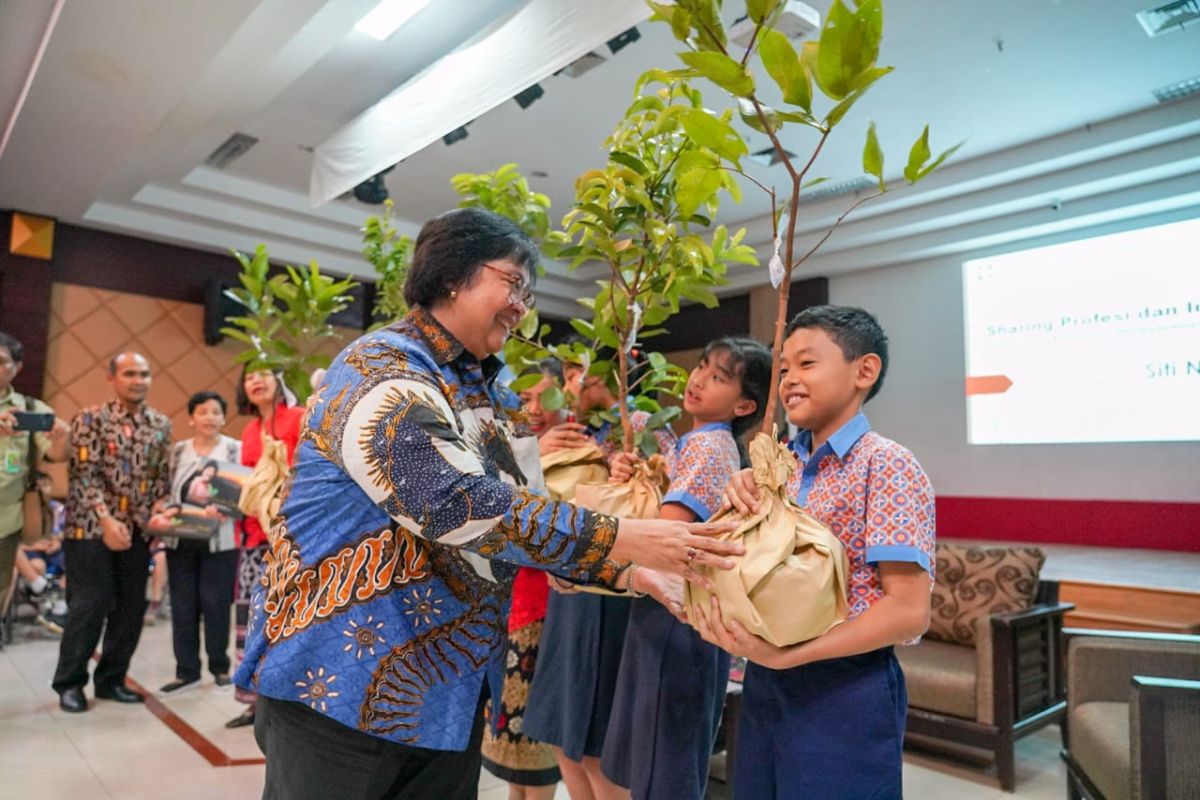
(750, 362)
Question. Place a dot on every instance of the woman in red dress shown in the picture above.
(263, 396)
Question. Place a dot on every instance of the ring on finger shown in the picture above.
(691, 553)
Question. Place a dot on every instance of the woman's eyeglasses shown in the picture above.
(519, 290)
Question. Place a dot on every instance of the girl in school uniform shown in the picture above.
(571, 696)
(671, 683)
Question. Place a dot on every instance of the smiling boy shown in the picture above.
(825, 718)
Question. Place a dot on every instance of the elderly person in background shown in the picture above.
(202, 572)
(411, 505)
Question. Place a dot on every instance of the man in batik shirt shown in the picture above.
(119, 477)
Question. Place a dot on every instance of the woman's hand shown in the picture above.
(213, 512)
(675, 547)
(620, 469)
(563, 437)
(663, 587)
(734, 639)
(162, 521)
(741, 493)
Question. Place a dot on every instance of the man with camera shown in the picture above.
(119, 482)
(21, 417)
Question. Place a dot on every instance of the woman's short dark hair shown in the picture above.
(15, 349)
(200, 398)
(750, 362)
(452, 246)
(852, 329)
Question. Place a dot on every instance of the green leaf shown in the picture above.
(814, 182)
(917, 157)
(837, 112)
(526, 382)
(783, 65)
(849, 45)
(553, 399)
(723, 71)
(713, 133)
(585, 329)
(937, 162)
(873, 156)
(647, 442)
(695, 188)
(663, 417)
(758, 10)
(627, 160)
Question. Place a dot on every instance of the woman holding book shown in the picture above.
(202, 570)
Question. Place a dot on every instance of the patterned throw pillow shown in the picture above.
(976, 581)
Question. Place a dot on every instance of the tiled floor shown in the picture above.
(119, 752)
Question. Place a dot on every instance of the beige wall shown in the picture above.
(87, 326)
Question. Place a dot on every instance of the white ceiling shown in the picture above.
(1053, 98)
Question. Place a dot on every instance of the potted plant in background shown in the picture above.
(286, 327)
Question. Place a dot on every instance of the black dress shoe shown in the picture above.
(73, 701)
(120, 694)
(222, 679)
(178, 683)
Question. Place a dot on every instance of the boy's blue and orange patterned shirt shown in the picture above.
(412, 502)
(874, 496)
(705, 459)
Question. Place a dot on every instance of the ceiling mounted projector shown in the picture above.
(795, 20)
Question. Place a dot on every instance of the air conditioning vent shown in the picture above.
(233, 147)
(1174, 16)
(1178, 90)
(827, 191)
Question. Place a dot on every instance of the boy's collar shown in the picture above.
(842, 440)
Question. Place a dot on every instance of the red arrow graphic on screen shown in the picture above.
(988, 384)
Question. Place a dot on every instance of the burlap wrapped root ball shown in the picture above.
(790, 586)
(638, 498)
(564, 470)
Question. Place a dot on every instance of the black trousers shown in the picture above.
(312, 757)
(201, 585)
(106, 593)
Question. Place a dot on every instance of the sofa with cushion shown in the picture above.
(990, 668)
(1133, 712)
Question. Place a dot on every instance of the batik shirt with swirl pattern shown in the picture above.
(414, 498)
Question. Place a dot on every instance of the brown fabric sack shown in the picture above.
(638, 498)
(260, 496)
(790, 586)
(566, 469)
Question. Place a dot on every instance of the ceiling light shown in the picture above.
(526, 97)
(1174, 16)
(1178, 89)
(621, 39)
(384, 20)
(236, 145)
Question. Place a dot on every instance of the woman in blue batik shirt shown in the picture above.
(671, 683)
(412, 502)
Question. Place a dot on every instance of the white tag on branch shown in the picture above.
(635, 322)
(775, 265)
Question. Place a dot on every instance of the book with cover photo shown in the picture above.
(192, 522)
(218, 483)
